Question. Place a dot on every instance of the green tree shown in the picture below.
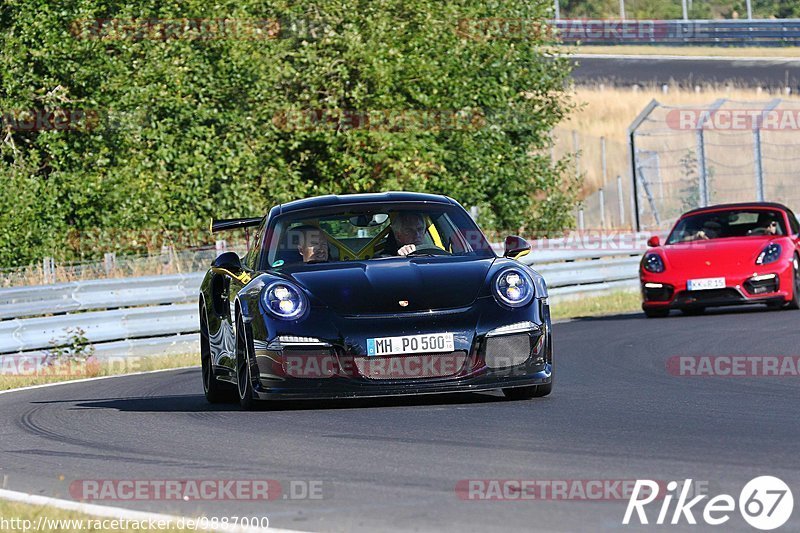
(178, 128)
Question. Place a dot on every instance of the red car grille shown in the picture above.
(712, 296)
(412, 366)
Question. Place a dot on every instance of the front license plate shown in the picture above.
(705, 284)
(427, 343)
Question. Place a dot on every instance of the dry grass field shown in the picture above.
(607, 112)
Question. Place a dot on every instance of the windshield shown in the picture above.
(723, 224)
(373, 232)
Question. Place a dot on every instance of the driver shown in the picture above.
(409, 231)
(772, 228)
(767, 225)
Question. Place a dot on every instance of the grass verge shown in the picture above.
(26, 517)
(613, 303)
(20, 372)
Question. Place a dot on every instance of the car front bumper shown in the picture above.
(326, 359)
(767, 284)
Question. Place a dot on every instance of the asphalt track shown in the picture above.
(615, 413)
(687, 72)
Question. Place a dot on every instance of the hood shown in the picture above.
(733, 252)
(377, 286)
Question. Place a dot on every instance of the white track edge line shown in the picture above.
(129, 514)
(108, 511)
(96, 378)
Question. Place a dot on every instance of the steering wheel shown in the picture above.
(429, 249)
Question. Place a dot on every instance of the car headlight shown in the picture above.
(770, 254)
(514, 288)
(284, 300)
(653, 263)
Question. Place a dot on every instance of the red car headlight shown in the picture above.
(770, 254)
(653, 263)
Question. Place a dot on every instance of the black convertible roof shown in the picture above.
(742, 205)
(331, 200)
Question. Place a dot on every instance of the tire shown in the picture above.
(526, 393)
(693, 311)
(215, 391)
(656, 313)
(794, 303)
(244, 378)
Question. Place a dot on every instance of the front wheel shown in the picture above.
(526, 393)
(215, 392)
(244, 376)
(794, 303)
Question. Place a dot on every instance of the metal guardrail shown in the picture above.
(98, 294)
(578, 265)
(779, 32)
(582, 273)
(158, 314)
(39, 333)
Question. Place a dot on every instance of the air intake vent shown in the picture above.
(508, 350)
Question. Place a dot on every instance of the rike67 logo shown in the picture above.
(765, 503)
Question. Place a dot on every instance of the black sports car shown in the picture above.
(371, 295)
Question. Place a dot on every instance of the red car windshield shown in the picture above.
(724, 224)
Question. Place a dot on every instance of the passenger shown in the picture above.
(312, 244)
(711, 230)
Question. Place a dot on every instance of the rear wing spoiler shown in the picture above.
(228, 224)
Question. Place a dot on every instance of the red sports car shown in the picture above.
(721, 255)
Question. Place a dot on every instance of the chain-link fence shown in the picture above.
(727, 151)
(604, 167)
(169, 261)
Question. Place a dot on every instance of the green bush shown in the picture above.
(178, 129)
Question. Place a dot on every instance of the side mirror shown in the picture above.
(228, 261)
(516, 246)
(653, 241)
(229, 264)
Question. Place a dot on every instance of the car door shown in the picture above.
(224, 289)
